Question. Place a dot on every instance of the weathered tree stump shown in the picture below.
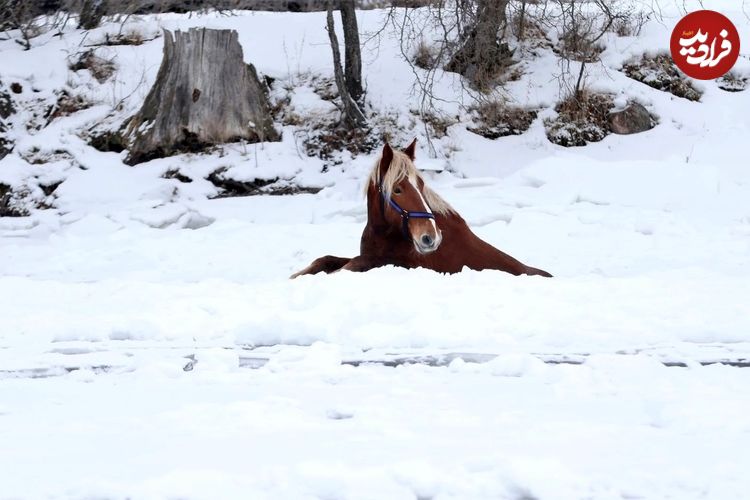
(204, 95)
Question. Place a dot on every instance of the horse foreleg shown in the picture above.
(327, 264)
(363, 263)
(533, 271)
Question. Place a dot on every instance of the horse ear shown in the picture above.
(411, 149)
(385, 159)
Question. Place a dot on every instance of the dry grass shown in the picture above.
(108, 141)
(66, 105)
(6, 146)
(100, 68)
(6, 105)
(530, 33)
(325, 139)
(229, 187)
(425, 56)
(176, 174)
(131, 37)
(661, 73)
(496, 119)
(576, 47)
(733, 82)
(12, 202)
(437, 123)
(324, 87)
(35, 156)
(629, 25)
(580, 120)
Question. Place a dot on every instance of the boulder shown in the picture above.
(631, 120)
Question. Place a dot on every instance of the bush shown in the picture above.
(495, 119)
(100, 68)
(425, 56)
(580, 120)
(67, 104)
(661, 73)
(733, 82)
(12, 202)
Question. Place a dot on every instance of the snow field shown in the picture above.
(135, 312)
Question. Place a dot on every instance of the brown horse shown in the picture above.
(409, 225)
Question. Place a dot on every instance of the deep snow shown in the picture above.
(131, 278)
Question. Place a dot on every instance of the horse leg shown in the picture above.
(533, 271)
(363, 263)
(327, 264)
(503, 262)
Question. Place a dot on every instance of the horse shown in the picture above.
(409, 225)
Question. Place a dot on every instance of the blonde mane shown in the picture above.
(403, 168)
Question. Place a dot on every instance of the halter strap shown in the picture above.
(405, 214)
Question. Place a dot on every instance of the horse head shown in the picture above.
(400, 192)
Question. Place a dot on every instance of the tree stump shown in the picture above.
(204, 95)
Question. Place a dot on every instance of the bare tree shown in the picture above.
(352, 117)
(581, 24)
(91, 14)
(461, 36)
(481, 54)
(352, 50)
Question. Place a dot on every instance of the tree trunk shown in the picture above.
(204, 94)
(481, 56)
(352, 52)
(91, 15)
(352, 116)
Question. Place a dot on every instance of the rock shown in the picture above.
(633, 119)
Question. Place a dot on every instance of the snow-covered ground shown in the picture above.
(151, 345)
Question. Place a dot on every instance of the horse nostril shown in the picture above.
(427, 240)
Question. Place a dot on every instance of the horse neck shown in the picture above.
(374, 210)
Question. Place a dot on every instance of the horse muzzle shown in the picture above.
(426, 243)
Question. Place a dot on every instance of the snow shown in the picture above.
(152, 346)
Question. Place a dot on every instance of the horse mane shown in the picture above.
(403, 168)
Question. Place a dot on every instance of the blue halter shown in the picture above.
(405, 214)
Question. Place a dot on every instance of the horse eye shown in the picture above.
(397, 190)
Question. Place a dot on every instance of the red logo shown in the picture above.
(705, 44)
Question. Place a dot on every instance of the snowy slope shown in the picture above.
(154, 293)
